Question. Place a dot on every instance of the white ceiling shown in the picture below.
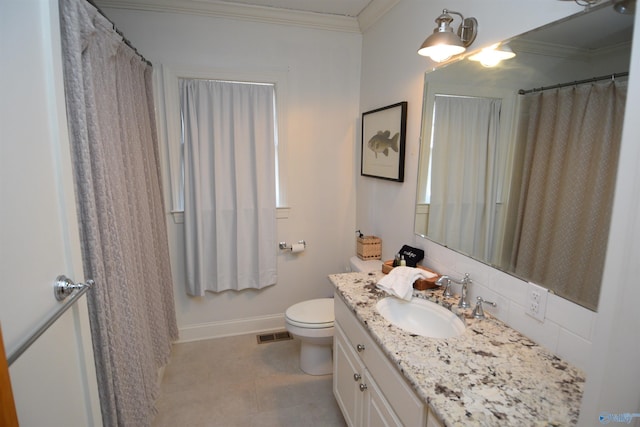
(338, 15)
(350, 8)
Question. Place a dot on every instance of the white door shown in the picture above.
(54, 380)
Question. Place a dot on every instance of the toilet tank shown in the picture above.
(367, 266)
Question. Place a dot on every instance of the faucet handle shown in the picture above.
(466, 281)
(446, 282)
(478, 311)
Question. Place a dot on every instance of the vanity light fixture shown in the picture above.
(444, 43)
(493, 55)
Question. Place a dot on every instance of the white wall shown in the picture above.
(392, 72)
(613, 370)
(323, 71)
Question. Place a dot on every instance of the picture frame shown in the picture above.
(383, 142)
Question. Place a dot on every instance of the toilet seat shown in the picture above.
(311, 314)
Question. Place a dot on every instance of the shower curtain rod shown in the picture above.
(575, 83)
(124, 39)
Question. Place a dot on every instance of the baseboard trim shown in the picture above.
(226, 328)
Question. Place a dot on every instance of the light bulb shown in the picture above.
(440, 53)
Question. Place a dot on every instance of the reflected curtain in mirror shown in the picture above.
(465, 139)
(229, 173)
(568, 177)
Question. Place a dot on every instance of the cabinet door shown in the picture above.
(348, 372)
(377, 411)
(432, 421)
(399, 395)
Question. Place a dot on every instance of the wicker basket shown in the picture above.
(369, 247)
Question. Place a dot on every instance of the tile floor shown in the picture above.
(235, 381)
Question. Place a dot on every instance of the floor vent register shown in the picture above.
(273, 337)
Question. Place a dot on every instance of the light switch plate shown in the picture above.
(536, 301)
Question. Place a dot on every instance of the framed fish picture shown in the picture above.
(383, 142)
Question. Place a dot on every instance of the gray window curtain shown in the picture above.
(463, 198)
(120, 207)
(229, 170)
(568, 177)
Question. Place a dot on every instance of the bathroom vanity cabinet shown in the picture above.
(369, 389)
(488, 375)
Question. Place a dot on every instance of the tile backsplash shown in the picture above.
(567, 329)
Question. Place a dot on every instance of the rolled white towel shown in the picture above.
(399, 281)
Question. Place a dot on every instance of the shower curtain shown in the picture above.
(121, 213)
(568, 177)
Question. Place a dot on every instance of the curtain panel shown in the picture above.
(229, 173)
(121, 214)
(462, 207)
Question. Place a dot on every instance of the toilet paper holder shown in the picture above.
(285, 246)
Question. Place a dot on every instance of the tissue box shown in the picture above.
(369, 247)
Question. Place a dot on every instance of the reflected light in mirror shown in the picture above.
(493, 55)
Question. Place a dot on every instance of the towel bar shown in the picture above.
(62, 288)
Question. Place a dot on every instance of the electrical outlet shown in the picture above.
(536, 301)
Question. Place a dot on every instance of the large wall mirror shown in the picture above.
(518, 161)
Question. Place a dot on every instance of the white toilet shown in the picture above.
(311, 322)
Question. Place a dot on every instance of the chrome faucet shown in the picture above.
(446, 281)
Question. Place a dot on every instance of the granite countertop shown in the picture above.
(491, 375)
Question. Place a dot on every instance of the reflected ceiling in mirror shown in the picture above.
(593, 43)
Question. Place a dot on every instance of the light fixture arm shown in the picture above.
(468, 28)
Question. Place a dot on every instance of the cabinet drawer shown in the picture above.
(404, 401)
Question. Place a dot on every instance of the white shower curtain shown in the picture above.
(463, 192)
(229, 174)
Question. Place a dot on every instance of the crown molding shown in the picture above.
(242, 12)
(373, 12)
(561, 51)
(548, 49)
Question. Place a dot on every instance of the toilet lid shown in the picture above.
(315, 313)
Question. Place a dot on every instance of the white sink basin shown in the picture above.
(421, 317)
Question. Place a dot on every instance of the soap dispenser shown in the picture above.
(396, 260)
